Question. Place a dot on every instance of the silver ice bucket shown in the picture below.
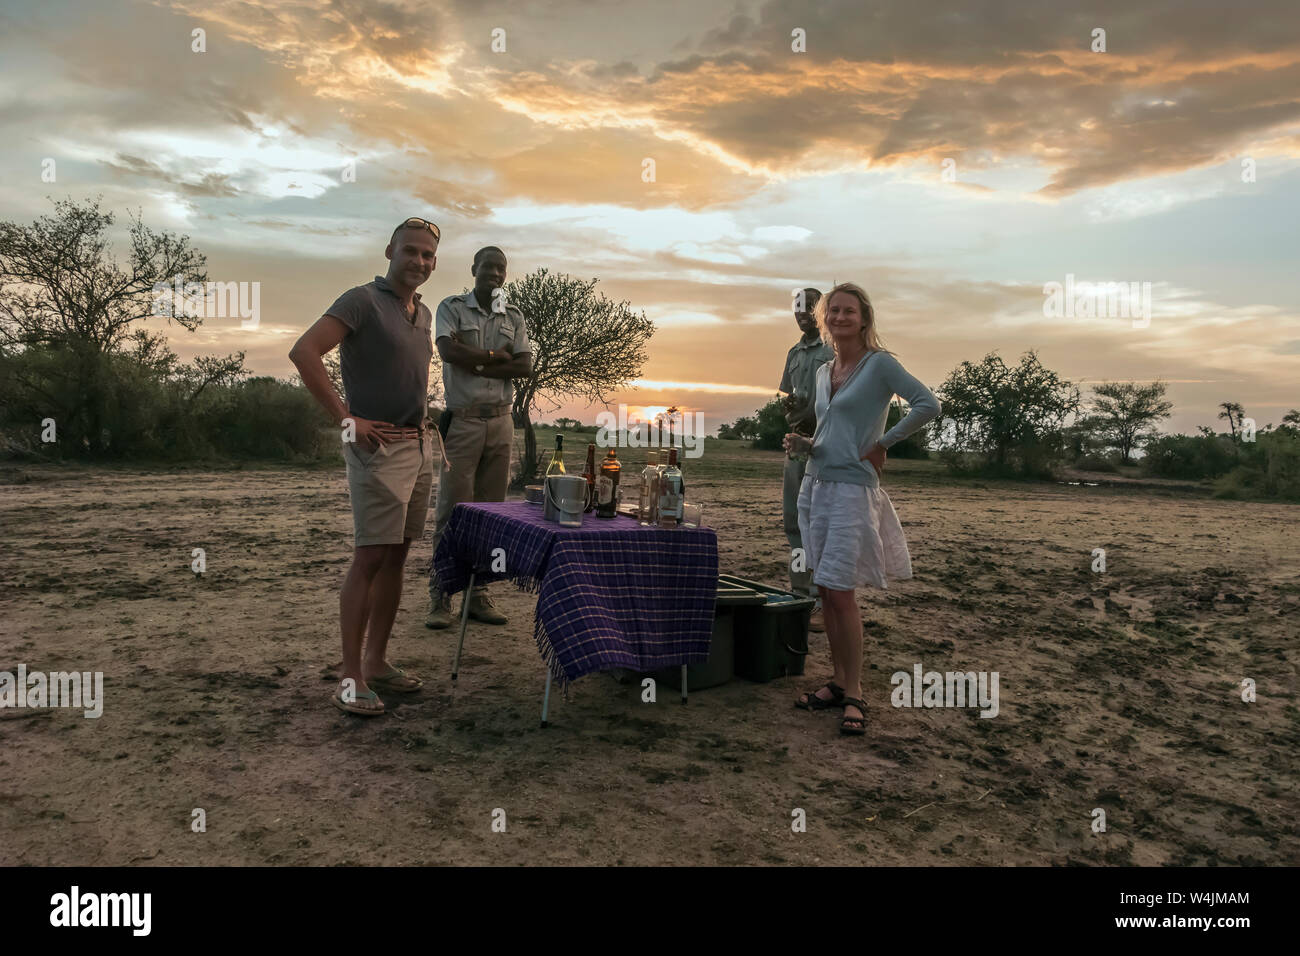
(566, 499)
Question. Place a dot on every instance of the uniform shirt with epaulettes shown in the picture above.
(482, 329)
(801, 365)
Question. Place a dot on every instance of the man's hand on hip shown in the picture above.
(371, 434)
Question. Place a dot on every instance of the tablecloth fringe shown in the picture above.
(526, 582)
(548, 655)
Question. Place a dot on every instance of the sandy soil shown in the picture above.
(1118, 690)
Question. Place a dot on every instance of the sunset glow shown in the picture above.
(288, 148)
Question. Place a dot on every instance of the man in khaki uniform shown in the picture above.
(483, 344)
(800, 381)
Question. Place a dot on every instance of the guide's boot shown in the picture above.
(482, 609)
(439, 609)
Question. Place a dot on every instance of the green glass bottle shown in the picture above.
(556, 467)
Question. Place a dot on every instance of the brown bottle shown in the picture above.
(607, 486)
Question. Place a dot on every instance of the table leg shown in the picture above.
(546, 697)
(683, 683)
(464, 623)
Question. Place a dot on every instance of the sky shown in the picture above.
(952, 158)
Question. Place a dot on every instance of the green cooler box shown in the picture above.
(771, 635)
(718, 669)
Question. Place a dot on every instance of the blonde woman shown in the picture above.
(849, 527)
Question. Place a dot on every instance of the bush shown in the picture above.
(1036, 456)
(1270, 468)
(157, 410)
(1190, 456)
(971, 464)
(266, 418)
(772, 427)
(1095, 463)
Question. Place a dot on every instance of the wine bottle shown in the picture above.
(649, 488)
(590, 475)
(556, 467)
(670, 493)
(607, 486)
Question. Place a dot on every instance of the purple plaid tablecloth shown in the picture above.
(609, 594)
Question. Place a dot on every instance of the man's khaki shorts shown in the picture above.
(389, 489)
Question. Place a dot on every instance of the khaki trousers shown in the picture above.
(800, 581)
(478, 450)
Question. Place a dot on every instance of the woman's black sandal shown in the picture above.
(857, 726)
(810, 700)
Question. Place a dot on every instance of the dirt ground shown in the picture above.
(1119, 691)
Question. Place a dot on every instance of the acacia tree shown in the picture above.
(672, 416)
(1007, 414)
(1124, 414)
(1233, 412)
(68, 314)
(584, 346)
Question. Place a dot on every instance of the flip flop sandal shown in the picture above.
(855, 726)
(354, 708)
(397, 681)
(810, 700)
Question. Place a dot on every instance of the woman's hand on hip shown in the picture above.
(876, 455)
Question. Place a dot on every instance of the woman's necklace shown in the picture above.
(838, 380)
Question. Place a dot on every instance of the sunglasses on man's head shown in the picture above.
(415, 222)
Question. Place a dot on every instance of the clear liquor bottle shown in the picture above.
(590, 475)
(670, 493)
(649, 489)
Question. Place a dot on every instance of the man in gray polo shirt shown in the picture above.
(384, 336)
(799, 380)
(483, 344)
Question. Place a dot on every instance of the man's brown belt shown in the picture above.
(398, 433)
(482, 411)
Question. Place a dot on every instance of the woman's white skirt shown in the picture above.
(851, 535)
